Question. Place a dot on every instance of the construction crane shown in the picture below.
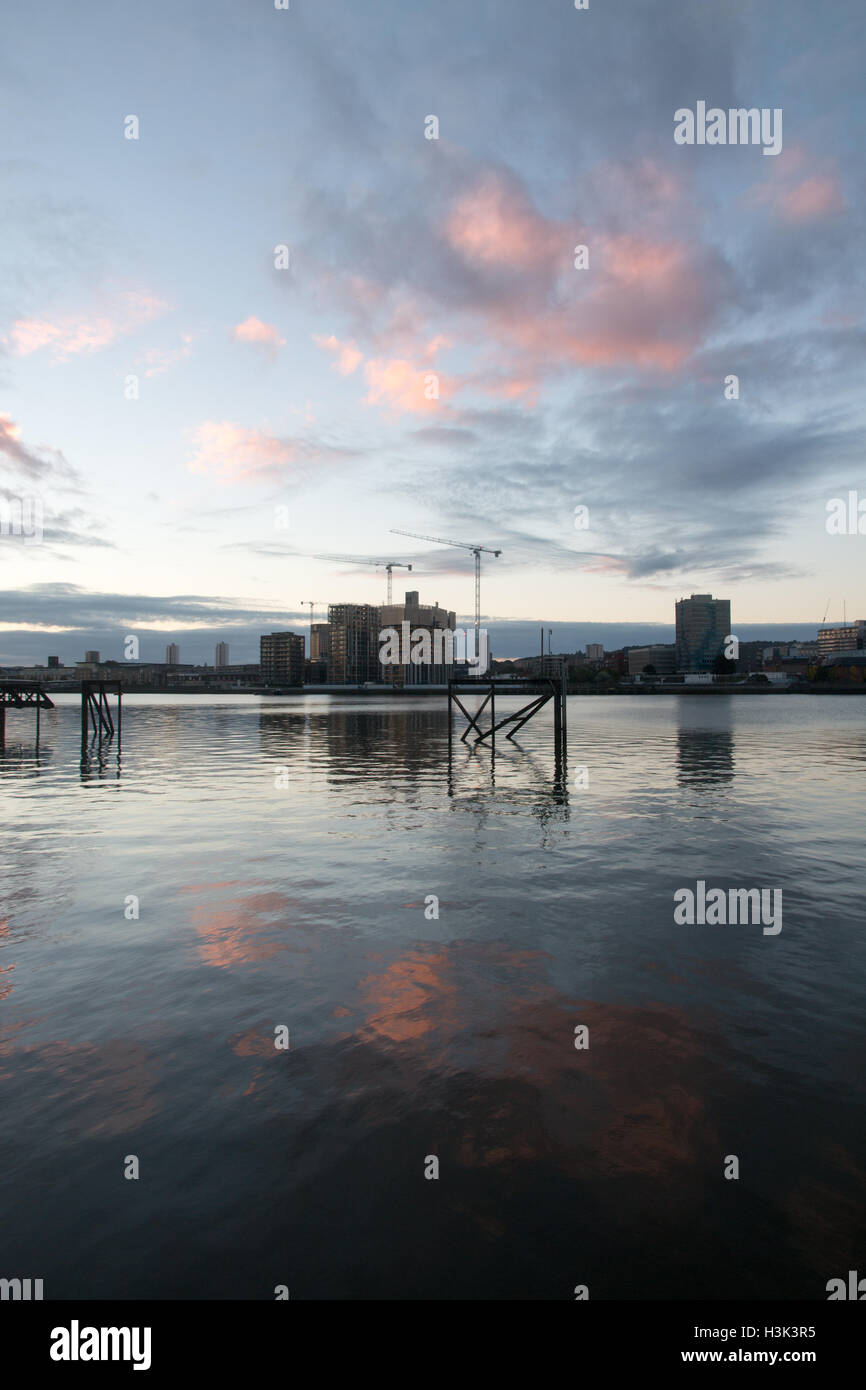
(387, 565)
(461, 545)
(309, 602)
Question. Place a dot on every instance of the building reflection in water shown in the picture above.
(705, 755)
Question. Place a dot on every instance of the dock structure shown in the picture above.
(22, 695)
(543, 690)
(96, 709)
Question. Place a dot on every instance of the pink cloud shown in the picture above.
(646, 300)
(495, 224)
(252, 330)
(399, 385)
(347, 355)
(820, 196)
(234, 454)
(73, 335)
(797, 192)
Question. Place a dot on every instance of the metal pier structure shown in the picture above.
(22, 695)
(96, 710)
(96, 713)
(543, 690)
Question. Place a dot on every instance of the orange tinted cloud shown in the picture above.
(235, 454)
(797, 190)
(399, 385)
(72, 335)
(816, 197)
(495, 225)
(347, 354)
(231, 453)
(253, 330)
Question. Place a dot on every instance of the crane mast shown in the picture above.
(460, 545)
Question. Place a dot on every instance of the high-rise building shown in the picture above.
(53, 661)
(423, 618)
(702, 624)
(172, 654)
(844, 637)
(222, 654)
(320, 641)
(282, 658)
(92, 658)
(595, 651)
(354, 654)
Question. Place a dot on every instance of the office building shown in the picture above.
(354, 643)
(428, 624)
(282, 658)
(172, 654)
(53, 662)
(663, 660)
(702, 625)
(91, 658)
(845, 637)
(222, 654)
(594, 651)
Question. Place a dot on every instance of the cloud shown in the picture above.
(798, 188)
(38, 465)
(233, 454)
(495, 224)
(259, 334)
(820, 196)
(75, 334)
(395, 382)
(347, 355)
(159, 360)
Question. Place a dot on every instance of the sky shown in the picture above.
(284, 322)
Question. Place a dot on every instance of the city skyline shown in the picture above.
(280, 410)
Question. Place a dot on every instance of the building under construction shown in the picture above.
(354, 643)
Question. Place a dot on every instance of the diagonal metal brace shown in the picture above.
(473, 718)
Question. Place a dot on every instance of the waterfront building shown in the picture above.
(354, 643)
(282, 658)
(424, 618)
(662, 658)
(702, 624)
(843, 637)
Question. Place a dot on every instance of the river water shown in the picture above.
(431, 932)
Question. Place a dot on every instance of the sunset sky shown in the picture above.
(269, 395)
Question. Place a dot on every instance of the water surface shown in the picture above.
(285, 854)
